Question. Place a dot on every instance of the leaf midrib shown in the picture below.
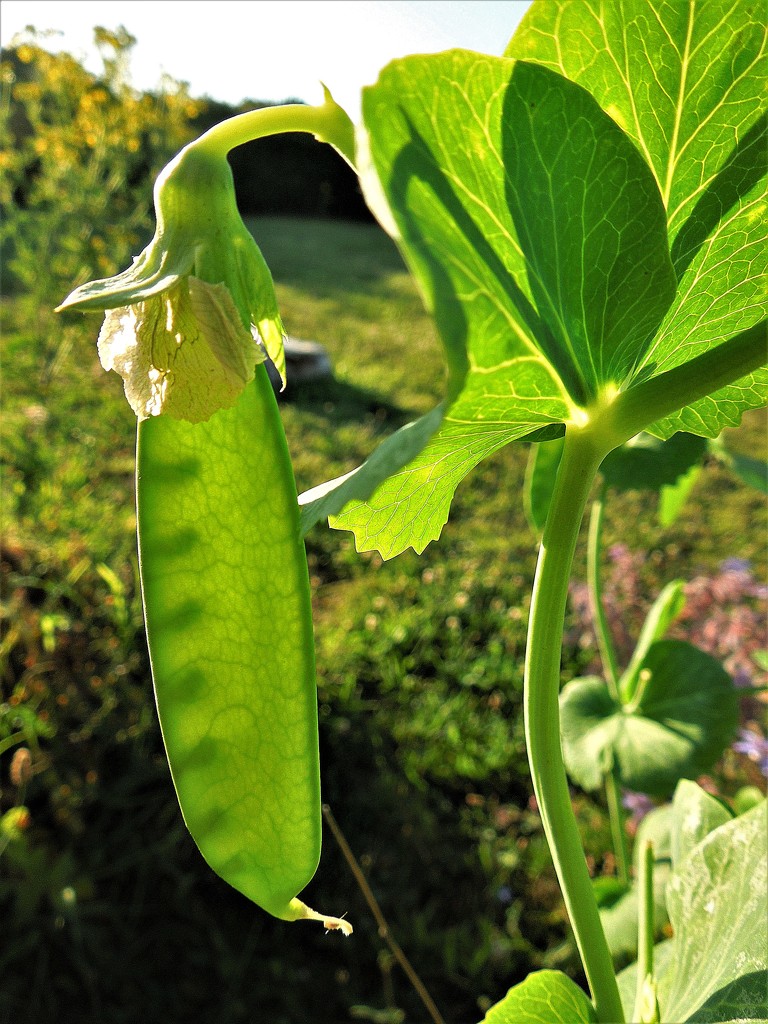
(684, 62)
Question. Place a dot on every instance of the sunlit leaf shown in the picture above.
(685, 81)
(537, 235)
(716, 901)
(564, 263)
(695, 813)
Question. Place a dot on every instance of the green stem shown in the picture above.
(602, 630)
(328, 123)
(611, 670)
(618, 832)
(12, 740)
(581, 457)
(641, 685)
(645, 930)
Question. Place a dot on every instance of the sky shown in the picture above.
(233, 50)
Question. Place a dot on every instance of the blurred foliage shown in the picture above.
(78, 156)
(109, 912)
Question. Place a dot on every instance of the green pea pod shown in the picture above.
(223, 569)
(227, 607)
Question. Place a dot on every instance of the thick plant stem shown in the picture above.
(582, 455)
(602, 629)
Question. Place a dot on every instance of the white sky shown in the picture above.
(269, 49)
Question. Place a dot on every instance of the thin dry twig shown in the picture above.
(384, 932)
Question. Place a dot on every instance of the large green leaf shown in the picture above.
(538, 238)
(714, 969)
(685, 81)
(695, 813)
(716, 901)
(683, 716)
(545, 997)
(646, 463)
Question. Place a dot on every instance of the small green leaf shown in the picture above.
(665, 609)
(753, 472)
(545, 997)
(673, 497)
(695, 813)
(683, 716)
(647, 464)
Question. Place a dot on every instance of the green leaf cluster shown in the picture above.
(583, 217)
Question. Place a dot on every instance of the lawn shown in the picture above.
(108, 908)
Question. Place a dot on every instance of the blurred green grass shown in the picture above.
(419, 671)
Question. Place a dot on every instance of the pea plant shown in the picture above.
(585, 220)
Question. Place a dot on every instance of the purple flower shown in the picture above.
(638, 804)
(742, 679)
(755, 747)
(735, 565)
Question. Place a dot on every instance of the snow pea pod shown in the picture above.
(224, 574)
(229, 628)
